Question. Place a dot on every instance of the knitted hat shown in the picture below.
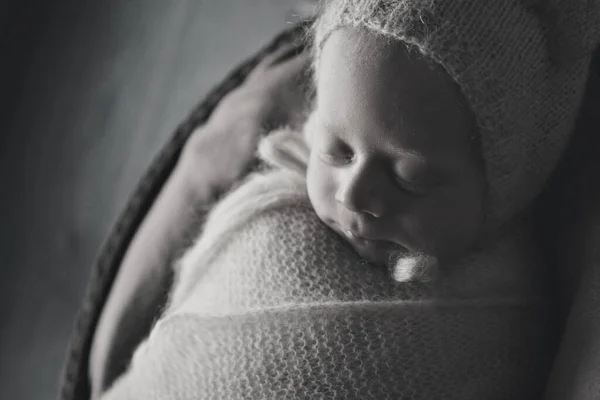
(522, 66)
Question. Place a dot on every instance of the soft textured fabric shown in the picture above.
(286, 310)
(522, 66)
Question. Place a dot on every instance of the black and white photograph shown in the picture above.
(300, 199)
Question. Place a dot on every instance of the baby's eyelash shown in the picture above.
(413, 188)
(336, 159)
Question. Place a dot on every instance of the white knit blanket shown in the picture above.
(286, 310)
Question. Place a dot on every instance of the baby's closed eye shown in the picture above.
(334, 152)
(417, 180)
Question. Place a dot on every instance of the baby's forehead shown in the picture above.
(358, 68)
(393, 60)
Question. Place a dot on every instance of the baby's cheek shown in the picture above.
(320, 186)
(443, 225)
(418, 227)
(460, 225)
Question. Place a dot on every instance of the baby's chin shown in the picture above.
(404, 266)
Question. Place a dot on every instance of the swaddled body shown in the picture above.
(286, 309)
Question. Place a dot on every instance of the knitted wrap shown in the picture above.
(284, 309)
(522, 66)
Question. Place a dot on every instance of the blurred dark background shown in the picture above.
(90, 91)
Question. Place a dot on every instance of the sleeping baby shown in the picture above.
(387, 250)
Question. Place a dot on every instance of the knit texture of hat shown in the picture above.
(522, 66)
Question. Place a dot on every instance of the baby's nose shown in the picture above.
(361, 193)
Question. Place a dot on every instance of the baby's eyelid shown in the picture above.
(413, 188)
(337, 159)
(337, 151)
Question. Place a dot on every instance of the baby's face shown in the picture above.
(393, 165)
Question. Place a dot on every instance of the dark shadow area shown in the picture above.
(90, 92)
(20, 25)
